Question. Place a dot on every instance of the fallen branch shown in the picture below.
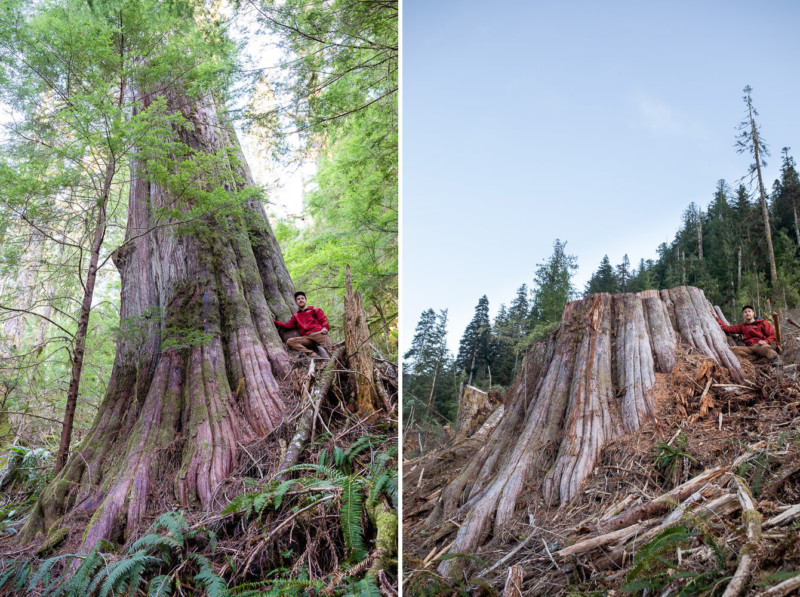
(751, 518)
(664, 502)
(784, 517)
(304, 426)
(788, 587)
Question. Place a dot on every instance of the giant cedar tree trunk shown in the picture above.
(197, 371)
(588, 383)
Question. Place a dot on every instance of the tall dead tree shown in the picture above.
(197, 365)
(750, 141)
(589, 382)
(357, 347)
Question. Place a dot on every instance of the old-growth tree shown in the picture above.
(199, 359)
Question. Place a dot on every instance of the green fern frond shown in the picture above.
(19, 569)
(338, 457)
(383, 481)
(126, 570)
(214, 584)
(43, 573)
(366, 587)
(350, 515)
(328, 472)
(280, 491)
(78, 584)
(160, 586)
(238, 504)
(358, 446)
(165, 543)
(174, 523)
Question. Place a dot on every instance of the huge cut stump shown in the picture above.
(587, 384)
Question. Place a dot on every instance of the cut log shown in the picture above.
(474, 407)
(588, 383)
(513, 587)
(359, 357)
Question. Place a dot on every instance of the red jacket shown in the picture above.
(760, 329)
(308, 321)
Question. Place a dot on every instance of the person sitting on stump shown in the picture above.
(312, 325)
(758, 335)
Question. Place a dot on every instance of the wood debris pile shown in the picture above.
(705, 500)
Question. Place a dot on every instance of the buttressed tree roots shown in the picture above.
(199, 358)
(588, 383)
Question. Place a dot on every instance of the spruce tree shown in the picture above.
(786, 198)
(624, 273)
(474, 352)
(604, 279)
(553, 286)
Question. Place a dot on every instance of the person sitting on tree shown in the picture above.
(312, 325)
(758, 335)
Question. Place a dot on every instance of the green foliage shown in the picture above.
(656, 564)
(669, 458)
(340, 480)
(429, 388)
(152, 564)
(553, 287)
(342, 69)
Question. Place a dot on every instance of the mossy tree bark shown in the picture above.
(588, 383)
(199, 358)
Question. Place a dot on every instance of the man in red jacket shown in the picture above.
(312, 325)
(757, 334)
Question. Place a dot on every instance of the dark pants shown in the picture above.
(307, 344)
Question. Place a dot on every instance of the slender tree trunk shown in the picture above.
(773, 272)
(738, 267)
(796, 225)
(700, 234)
(433, 388)
(197, 311)
(471, 368)
(83, 323)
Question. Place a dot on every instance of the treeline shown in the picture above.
(490, 352)
(723, 249)
(743, 248)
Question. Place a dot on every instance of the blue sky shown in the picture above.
(593, 122)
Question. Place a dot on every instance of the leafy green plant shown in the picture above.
(669, 458)
(342, 481)
(656, 564)
(155, 564)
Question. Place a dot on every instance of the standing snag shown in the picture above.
(357, 347)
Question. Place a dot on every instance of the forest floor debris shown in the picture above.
(665, 508)
(326, 525)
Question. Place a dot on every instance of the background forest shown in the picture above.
(727, 248)
(77, 122)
